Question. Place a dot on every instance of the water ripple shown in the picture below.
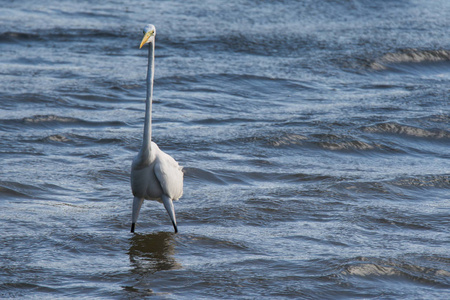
(405, 130)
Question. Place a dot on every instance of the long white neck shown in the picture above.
(148, 101)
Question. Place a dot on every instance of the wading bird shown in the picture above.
(155, 175)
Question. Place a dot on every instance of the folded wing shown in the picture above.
(170, 176)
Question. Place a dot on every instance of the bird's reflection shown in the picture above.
(150, 253)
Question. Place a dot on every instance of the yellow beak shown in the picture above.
(145, 39)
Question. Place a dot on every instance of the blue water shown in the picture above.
(314, 137)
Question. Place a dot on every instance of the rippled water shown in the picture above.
(314, 137)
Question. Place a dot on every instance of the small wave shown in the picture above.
(59, 34)
(49, 118)
(99, 140)
(216, 121)
(371, 268)
(202, 175)
(7, 191)
(52, 120)
(221, 177)
(18, 190)
(434, 181)
(326, 141)
(59, 138)
(351, 145)
(76, 139)
(410, 56)
(233, 177)
(13, 101)
(12, 290)
(13, 37)
(288, 139)
(395, 128)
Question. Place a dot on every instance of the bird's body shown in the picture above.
(155, 175)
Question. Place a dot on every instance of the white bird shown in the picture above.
(155, 175)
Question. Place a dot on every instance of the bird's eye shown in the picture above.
(143, 32)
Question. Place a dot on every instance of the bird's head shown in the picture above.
(149, 35)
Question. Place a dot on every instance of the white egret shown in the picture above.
(155, 175)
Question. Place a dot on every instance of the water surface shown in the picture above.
(314, 137)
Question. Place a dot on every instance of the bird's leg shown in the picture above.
(137, 203)
(170, 210)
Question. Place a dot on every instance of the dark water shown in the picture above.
(314, 135)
